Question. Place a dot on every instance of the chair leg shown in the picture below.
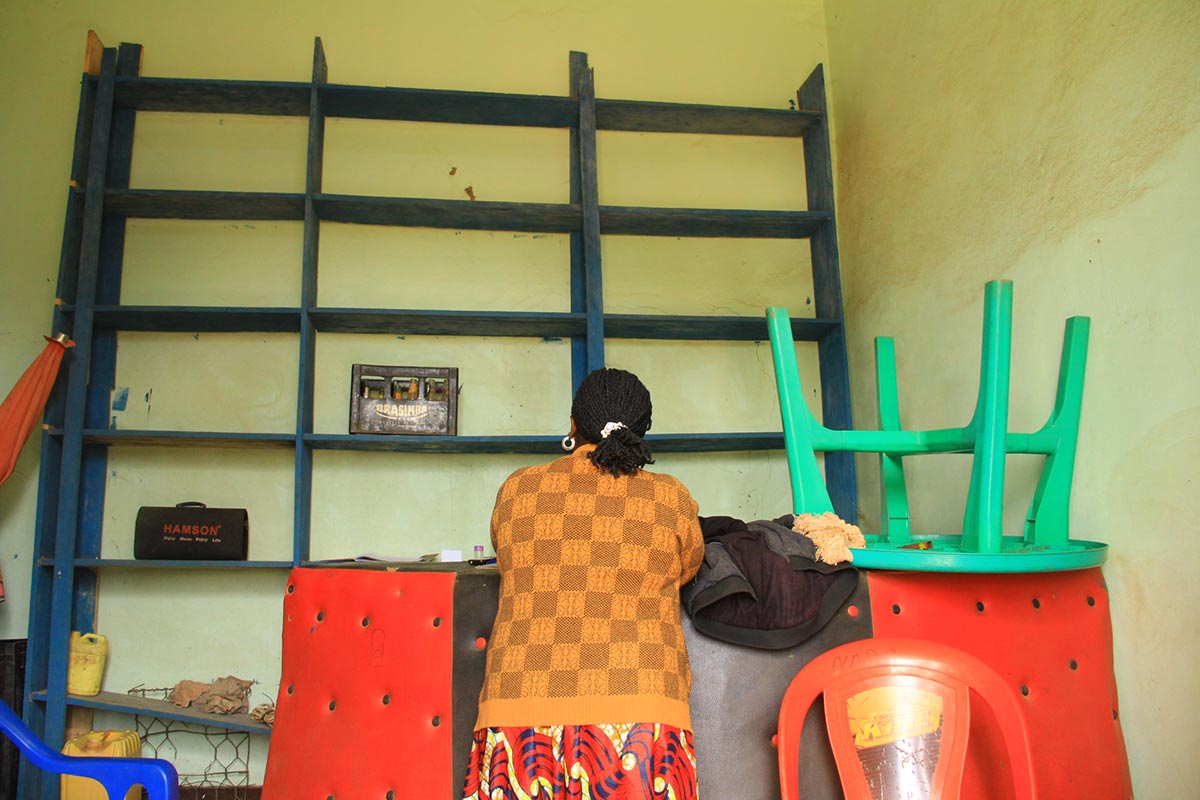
(809, 493)
(982, 523)
(894, 514)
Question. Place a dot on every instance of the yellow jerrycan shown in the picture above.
(118, 744)
(86, 664)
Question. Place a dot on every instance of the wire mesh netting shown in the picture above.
(203, 755)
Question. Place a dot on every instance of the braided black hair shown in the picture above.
(614, 395)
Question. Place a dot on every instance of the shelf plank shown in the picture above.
(705, 328)
(197, 319)
(714, 442)
(703, 222)
(180, 204)
(675, 442)
(429, 322)
(465, 214)
(291, 99)
(435, 444)
(184, 438)
(457, 214)
(133, 563)
(446, 323)
(162, 709)
(547, 445)
(651, 117)
(272, 98)
(438, 105)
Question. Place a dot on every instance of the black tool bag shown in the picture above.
(191, 531)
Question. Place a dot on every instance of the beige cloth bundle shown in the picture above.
(831, 535)
(226, 695)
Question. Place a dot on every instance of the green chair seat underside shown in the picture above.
(947, 555)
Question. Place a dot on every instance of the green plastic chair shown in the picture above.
(1045, 545)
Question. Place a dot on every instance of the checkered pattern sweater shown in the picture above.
(588, 628)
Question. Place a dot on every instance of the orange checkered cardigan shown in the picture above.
(588, 628)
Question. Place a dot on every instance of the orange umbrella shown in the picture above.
(24, 404)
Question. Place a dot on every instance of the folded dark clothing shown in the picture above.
(761, 586)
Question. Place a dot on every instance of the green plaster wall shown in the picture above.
(1056, 145)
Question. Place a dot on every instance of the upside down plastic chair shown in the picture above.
(116, 775)
(898, 717)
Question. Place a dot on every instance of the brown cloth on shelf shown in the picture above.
(228, 695)
(185, 692)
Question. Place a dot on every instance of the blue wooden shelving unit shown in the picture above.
(77, 439)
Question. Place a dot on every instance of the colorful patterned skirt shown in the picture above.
(582, 762)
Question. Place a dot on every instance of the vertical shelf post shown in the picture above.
(102, 376)
(579, 349)
(827, 296)
(593, 281)
(62, 594)
(50, 470)
(302, 527)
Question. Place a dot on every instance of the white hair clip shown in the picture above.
(609, 427)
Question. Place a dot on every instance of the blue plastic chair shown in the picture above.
(116, 775)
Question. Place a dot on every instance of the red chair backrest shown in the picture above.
(365, 696)
(898, 717)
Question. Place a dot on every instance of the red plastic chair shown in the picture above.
(898, 716)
